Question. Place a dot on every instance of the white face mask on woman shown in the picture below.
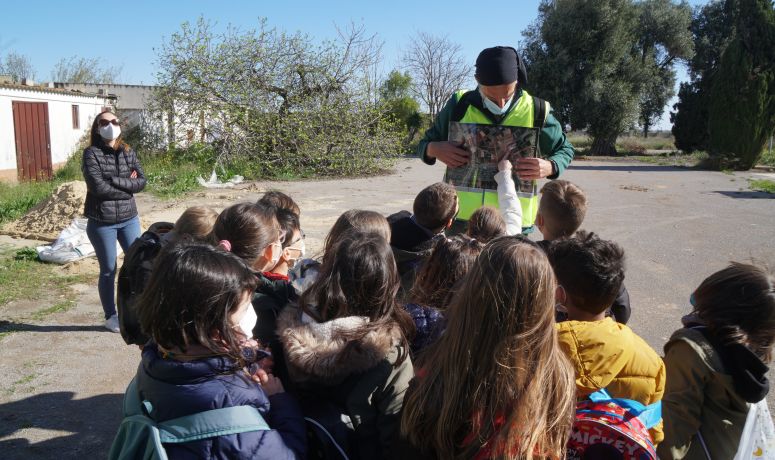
(110, 132)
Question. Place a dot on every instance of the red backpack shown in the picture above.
(609, 428)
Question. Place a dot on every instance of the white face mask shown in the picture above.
(248, 321)
(493, 107)
(110, 132)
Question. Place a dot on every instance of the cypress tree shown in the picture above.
(742, 106)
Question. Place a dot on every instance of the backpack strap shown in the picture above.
(648, 415)
(212, 423)
(539, 112)
(202, 425)
(472, 98)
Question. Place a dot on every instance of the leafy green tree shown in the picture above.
(713, 28)
(741, 115)
(690, 118)
(395, 94)
(599, 61)
(286, 103)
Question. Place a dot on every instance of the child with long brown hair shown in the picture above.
(717, 364)
(197, 311)
(496, 383)
(346, 342)
(251, 232)
(306, 271)
(449, 261)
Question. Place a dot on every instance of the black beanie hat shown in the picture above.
(500, 65)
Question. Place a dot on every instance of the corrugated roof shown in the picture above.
(46, 89)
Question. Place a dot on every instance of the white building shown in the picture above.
(132, 101)
(41, 127)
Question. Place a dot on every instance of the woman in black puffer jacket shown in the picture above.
(112, 174)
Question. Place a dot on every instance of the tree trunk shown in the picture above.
(604, 146)
(646, 131)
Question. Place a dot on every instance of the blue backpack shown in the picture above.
(141, 438)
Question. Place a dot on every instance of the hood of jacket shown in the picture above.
(407, 235)
(324, 352)
(748, 371)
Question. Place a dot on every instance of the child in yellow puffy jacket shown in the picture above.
(606, 354)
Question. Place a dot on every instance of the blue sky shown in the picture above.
(126, 33)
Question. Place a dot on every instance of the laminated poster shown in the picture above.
(488, 144)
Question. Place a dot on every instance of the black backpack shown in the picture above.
(133, 278)
(330, 435)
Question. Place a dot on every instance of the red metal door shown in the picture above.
(33, 140)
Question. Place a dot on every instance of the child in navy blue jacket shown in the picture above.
(198, 312)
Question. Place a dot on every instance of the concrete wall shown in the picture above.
(64, 139)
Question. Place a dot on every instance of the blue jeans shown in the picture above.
(103, 238)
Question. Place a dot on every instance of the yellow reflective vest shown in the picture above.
(522, 114)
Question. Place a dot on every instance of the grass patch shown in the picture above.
(675, 159)
(17, 199)
(23, 277)
(768, 158)
(762, 185)
(26, 379)
(58, 307)
(628, 144)
(22, 381)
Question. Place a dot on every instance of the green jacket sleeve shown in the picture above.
(439, 131)
(389, 400)
(554, 145)
(683, 400)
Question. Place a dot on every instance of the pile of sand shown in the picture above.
(51, 216)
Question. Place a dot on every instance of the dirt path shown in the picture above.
(62, 378)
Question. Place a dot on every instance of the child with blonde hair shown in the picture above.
(495, 385)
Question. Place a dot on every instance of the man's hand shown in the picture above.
(134, 174)
(448, 153)
(533, 168)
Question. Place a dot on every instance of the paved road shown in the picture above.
(677, 226)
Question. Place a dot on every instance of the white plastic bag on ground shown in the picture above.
(72, 244)
(214, 182)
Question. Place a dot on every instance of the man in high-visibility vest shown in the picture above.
(500, 100)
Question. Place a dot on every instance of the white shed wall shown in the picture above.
(64, 139)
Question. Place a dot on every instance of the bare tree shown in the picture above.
(84, 70)
(18, 66)
(437, 69)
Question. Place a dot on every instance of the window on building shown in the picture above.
(76, 118)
